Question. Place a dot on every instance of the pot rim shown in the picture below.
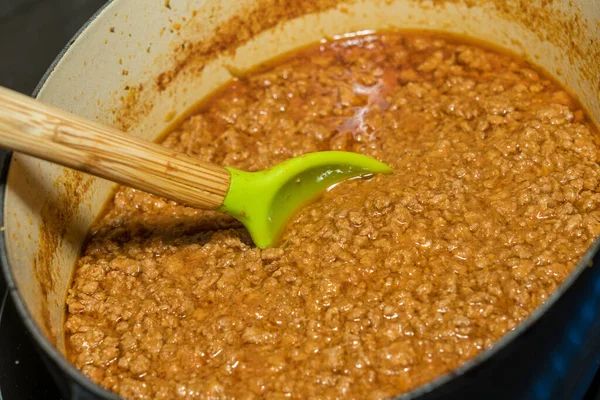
(75, 374)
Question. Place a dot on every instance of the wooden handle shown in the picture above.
(30, 127)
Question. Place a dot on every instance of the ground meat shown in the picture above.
(380, 285)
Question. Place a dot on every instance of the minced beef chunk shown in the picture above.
(382, 284)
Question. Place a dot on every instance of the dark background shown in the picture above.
(32, 33)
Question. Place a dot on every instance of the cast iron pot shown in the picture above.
(141, 65)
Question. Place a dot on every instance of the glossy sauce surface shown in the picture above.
(380, 285)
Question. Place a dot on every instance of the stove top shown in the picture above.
(22, 373)
(43, 27)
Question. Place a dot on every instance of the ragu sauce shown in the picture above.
(379, 286)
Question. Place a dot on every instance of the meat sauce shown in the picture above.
(382, 284)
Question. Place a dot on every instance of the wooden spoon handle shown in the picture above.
(30, 127)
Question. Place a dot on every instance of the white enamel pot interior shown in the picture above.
(139, 65)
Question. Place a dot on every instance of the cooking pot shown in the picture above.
(142, 65)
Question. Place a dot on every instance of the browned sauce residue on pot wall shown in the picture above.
(191, 57)
(381, 285)
(566, 32)
(55, 216)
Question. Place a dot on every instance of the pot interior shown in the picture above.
(141, 66)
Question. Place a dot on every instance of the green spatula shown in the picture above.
(263, 201)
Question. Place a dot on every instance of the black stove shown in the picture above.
(32, 33)
(22, 374)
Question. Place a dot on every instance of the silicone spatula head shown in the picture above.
(264, 201)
